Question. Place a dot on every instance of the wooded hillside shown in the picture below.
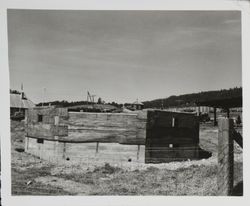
(190, 99)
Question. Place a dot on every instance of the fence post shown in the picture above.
(215, 118)
(138, 152)
(26, 148)
(56, 143)
(64, 150)
(225, 157)
(97, 147)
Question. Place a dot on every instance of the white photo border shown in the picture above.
(7, 199)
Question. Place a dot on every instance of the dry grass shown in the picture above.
(108, 180)
(23, 183)
(152, 181)
(105, 179)
(25, 168)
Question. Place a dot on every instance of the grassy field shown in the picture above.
(32, 176)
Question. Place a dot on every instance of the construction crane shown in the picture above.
(90, 98)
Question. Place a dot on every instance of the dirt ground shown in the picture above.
(33, 176)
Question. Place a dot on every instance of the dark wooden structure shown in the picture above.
(171, 136)
(225, 103)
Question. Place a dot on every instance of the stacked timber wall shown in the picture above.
(56, 134)
(120, 128)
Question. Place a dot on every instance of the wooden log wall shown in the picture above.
(120, 128)
(77, 127)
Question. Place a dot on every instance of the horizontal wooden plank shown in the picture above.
(51, 111)
(122, 136)
(100, 119)
(106, 127)
(125, 141)
(46, 130)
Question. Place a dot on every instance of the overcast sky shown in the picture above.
(123, 55)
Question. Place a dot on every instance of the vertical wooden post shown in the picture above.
(225, 157)
(215, 118)
(26, 120)
(97, 147)
(56, 120)
(228, 112)
(26, 144)
(40, 151)
(26, 147)
(64, 150)
(138, 151)
(56, 143)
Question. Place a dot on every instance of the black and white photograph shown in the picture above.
(115, 102)
(125, 102)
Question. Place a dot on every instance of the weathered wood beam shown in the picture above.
(120, 128)
(215, 118)
(225, 172)
(47, 131)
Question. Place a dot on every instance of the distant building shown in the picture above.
(137, 105)
(204, 109)
(133, 106)
(197, 109)
(19, 103)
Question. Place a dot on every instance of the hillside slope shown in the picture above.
(190, 99)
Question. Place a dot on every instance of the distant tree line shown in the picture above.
(172, 101)
(13, 91)
(62, 103)
(191, 99)
(65, 103)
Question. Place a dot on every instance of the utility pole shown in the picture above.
(44, 90)
(90, 97)
(21, 96)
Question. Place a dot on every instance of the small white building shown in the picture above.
(137, 105)
(19, 103)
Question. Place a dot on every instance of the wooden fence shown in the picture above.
(167, 136)
(226, 137)
(55, 134)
